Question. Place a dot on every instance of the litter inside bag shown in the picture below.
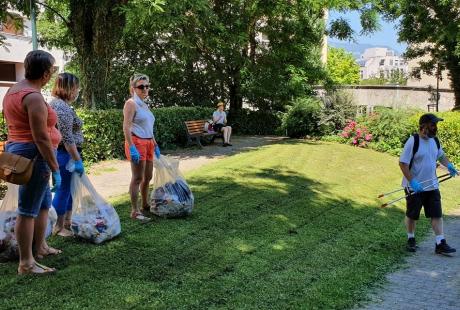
(171, 196)
(93, 219)
(8, 215)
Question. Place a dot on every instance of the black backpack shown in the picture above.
(417, 143)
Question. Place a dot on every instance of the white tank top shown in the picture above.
(143, 120)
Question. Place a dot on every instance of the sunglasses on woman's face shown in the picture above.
(143, 86)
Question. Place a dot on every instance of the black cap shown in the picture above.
(429, 118)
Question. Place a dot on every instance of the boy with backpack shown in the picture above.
(418, 165)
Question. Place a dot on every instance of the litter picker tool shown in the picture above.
(401, 189)
(412, 193)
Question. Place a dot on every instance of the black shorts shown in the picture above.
(431, 202)
(218, 127)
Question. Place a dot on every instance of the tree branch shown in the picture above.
(66, 22)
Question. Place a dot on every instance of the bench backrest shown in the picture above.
(195, 127)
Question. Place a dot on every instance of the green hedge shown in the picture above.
(247, 122)
(103, 129)
(391, 128)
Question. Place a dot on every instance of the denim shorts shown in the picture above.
(35, 195)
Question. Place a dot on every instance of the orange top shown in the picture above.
(18, 120)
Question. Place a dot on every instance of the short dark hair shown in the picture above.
(65, 85)
(37, 63)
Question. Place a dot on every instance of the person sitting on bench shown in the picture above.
(219, 119)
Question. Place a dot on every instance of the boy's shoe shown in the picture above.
(444, 249)
(411, 245)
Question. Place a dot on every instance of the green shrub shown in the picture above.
(339, 107)
(247, 122)
(390, 128)
(302, 118)
(449, 134)
(103, 129)
(103, 132)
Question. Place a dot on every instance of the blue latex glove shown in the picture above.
(79, 167)
(453, 172)
(416, 186)
(56, 179)
(157, 151)
(134, 153)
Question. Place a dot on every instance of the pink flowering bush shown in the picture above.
(356, 134)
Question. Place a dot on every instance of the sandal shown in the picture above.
(67, 223)
(138, 216)
(63, 232)
(146, 208)
(49, 252)
(36, 269)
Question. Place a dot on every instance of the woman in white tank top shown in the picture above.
(140, 144)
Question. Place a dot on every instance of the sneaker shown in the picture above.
(444, 249)
(411, 245)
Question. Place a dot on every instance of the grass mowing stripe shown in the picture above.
(293, 225)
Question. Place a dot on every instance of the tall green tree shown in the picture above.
(6, 16)
(431, 28)
(93, 28)
(342, 67)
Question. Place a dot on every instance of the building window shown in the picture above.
(391, 62)
(382, 62)
(7, 72)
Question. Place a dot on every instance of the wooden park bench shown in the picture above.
(195, 132)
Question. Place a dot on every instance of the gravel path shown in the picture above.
(111, 178)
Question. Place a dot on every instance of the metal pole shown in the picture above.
(437, 88)
(33, 20)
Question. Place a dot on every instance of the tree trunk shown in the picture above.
(96, 27)
(234, 91)
(454, 73)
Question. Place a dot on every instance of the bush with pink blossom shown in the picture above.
(356, 134)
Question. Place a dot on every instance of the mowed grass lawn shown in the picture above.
(292, 225)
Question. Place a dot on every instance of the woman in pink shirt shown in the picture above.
(32, 133)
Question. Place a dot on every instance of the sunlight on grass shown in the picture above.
(292, 225)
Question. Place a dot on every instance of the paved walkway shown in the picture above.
(429, 281)
(111, 178)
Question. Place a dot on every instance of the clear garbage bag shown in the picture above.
(8, 215)
(93, 218)
(171, 195)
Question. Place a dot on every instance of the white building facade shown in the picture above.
(12, 54)
(381, 61)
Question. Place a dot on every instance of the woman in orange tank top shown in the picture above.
(32, 133)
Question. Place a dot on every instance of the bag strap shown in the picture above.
(438, 144)
(414, 148)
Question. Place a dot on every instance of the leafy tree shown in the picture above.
(431, 28)
(342, 66)
(6, 16)
(197, 52)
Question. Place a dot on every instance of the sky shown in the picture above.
(386, 36)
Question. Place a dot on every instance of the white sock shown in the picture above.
(410, 235)
(439, 238)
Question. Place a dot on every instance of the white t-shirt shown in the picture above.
(424, 164)
(219, 117)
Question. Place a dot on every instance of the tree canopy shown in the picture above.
(265, 53)
(342, 67)
(431, 28)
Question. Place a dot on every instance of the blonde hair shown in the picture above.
(64, 86)
(136, 78)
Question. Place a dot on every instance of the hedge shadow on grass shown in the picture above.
(273, 239)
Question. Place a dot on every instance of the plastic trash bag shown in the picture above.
(171, 196)
(8, 215)
(93, 218)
